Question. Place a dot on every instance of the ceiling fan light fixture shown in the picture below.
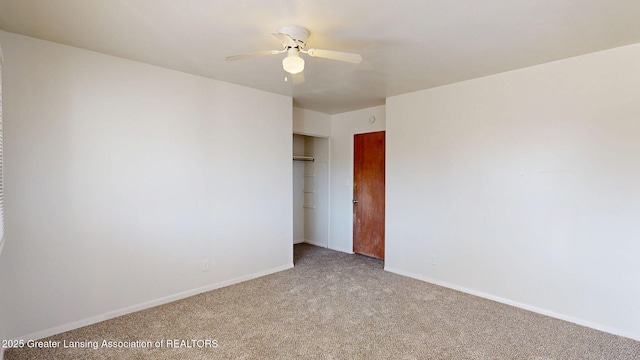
(294, 41)
(293, 63)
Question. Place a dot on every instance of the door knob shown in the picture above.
(354, 201)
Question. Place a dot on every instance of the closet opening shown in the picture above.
(310, 190)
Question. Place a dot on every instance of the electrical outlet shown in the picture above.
(205, 265)
(433, 259)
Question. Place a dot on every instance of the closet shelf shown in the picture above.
(303, 158)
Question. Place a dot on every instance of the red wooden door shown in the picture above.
(368, 194)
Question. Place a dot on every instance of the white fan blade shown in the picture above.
(335, 55)
(259, 53)
(298, 78)
(285, 39)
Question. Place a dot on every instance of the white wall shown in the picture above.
(1, 207)
(3, 321)
(343, 127)
(309, 122)
(121, 177)
(524, 187)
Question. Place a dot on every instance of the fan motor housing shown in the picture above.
(298, 34)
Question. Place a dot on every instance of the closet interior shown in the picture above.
(310, 190)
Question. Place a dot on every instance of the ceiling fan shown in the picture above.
(294, 41)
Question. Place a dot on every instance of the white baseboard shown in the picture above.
(316, 243)
(344, 250)
(1, 353)
(516, 304)
(300, 241)
(148, 304)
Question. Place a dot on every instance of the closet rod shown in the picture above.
(303, 158)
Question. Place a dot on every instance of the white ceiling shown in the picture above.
(406, 45)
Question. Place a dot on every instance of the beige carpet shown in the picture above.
(338, 306)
